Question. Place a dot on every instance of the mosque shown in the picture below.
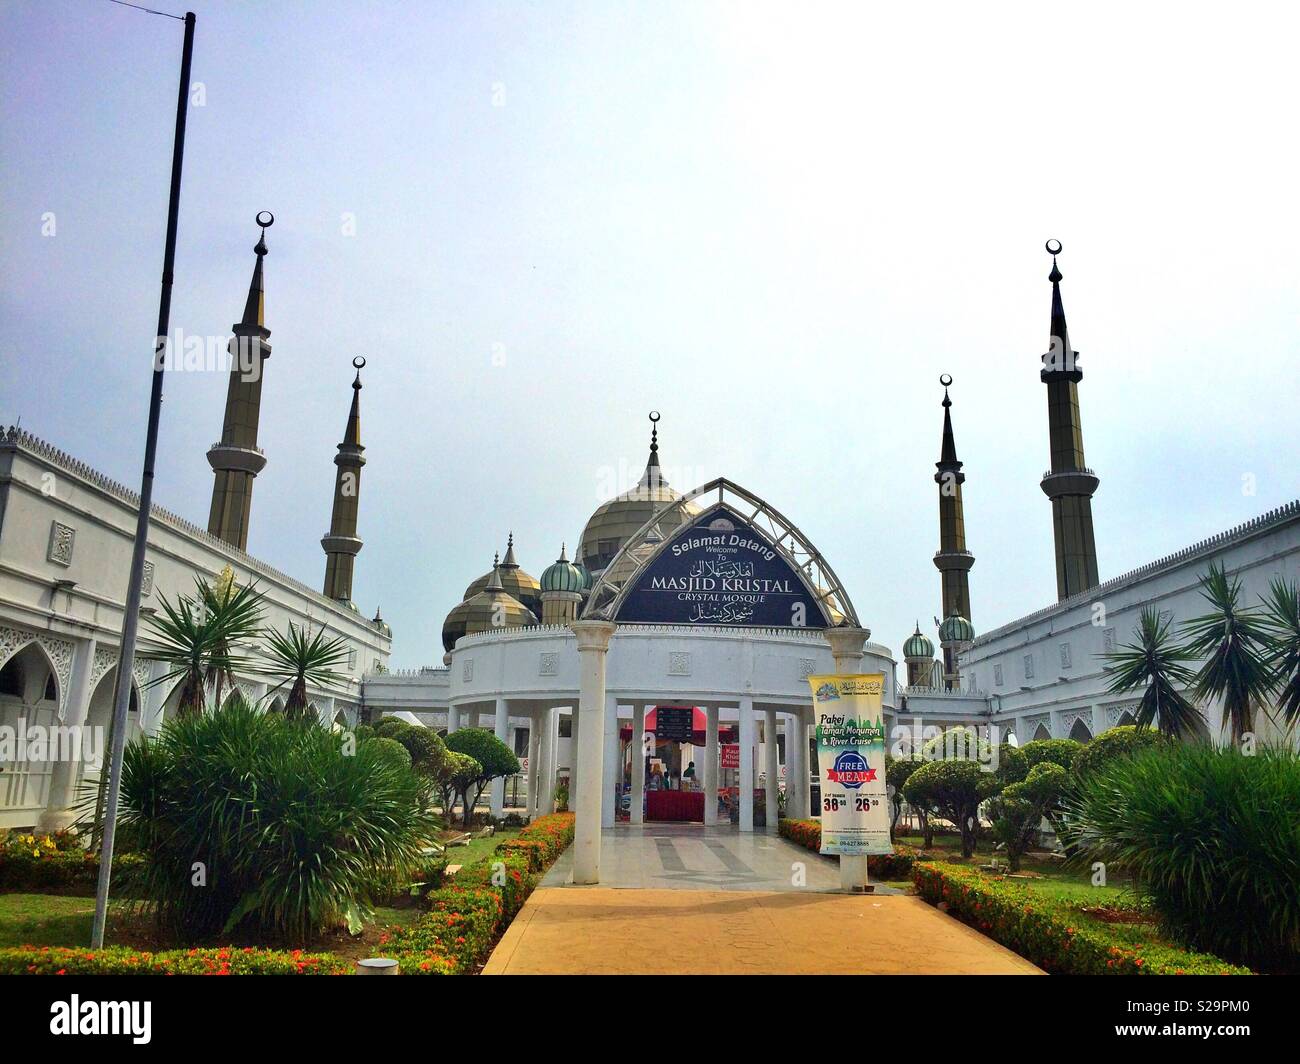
(658, 673)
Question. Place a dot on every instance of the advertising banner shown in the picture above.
(730, 755)
(851, 762)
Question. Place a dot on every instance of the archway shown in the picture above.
(1080, 732)
(1042, 732)
(29, 698)
(1125, 718)
(99, 716)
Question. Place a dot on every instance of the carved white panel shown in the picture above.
(807, 666)
(467, 670)
(548, 663)
(146, 581)
(60, 652)
(62, 538)
(10, 640)
(679, 663)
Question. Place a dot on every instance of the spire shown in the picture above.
(510, 562)
(341, 544)
(494, 581)
(653, 476)
(948, 450)
(563, 556)
(255, 305)
(1061, 358)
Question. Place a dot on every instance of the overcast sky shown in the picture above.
(776, 225)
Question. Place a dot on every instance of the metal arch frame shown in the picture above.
(819, 579)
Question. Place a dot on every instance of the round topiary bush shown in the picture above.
(1052, 751)
(1116, 742)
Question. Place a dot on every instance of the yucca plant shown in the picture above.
(297, 659)
(1282, 621)
(199, 639)
(255, 825)
(1212, 839)
(1233, 642)
(1157, 667)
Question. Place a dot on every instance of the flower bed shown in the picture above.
(1053, 934)
(466, 918)
(121, 960)
(44, 863)
(896, 865)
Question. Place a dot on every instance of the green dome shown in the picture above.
(563, 575)
(918, 646)
(956, 629)
(585, 573)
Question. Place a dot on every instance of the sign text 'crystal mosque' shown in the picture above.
(721, 570)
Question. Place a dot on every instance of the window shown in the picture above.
(566, 727)
(997, 675)
(521, 742)
(11, 679)
(51, 689)
(1029, 666)
(1065, 655)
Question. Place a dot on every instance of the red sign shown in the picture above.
(731, 755)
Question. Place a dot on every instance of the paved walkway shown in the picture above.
(683, 900)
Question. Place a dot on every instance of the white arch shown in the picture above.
(16, 650)
(1042, 732)
(620, 576)
(1080, 732)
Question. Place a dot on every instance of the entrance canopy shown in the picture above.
(720, 556)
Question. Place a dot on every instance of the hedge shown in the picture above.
(40, 863)
(122, 960)
(467, 917)
(1052, 934)
(896, 865)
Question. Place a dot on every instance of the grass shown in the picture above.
(478, 848)
(45, 920)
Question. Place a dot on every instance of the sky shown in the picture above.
(775, 224)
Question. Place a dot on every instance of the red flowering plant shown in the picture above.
(122, 960)
(896, 865)
(1053, 934)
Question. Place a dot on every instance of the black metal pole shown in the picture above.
(131, 620)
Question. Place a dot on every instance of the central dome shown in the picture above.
(619, 519)
(515, 580)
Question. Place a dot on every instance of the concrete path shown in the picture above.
(611, 931)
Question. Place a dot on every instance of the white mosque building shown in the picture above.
(674, 645)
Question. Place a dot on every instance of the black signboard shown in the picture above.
(720, 570)
(674, 723)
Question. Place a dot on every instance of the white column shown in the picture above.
(792, 730)
(746, 763)
(152, 699)
(593, 644)
(610, 777)
(574, 718)
(637, 815)
(497, 801)
(58, 813)
(550, 760)
(771, 767)
(711, 765)
(846, 646)
(453, 719)
(534, 748)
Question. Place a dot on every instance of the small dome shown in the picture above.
(956, 629)
(380, 625)
(514, 580)
(494, 608)
(454, 626)
(618, 519)
(563, 575)
(918, 646)
(587, 579)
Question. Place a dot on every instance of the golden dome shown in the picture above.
(494, 607)
(521, 585)
(618, 520)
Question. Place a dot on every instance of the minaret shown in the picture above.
(1069, 483)
(342, 545)
(952, 559)
(237, 459)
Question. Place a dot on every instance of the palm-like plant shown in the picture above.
(298, 659)
(1155, 665)
(1234, 643)
(1282, 620)
(198, 638)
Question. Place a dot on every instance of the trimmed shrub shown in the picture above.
(122, 960)
(542, 841)
(1213, 840)
(1052, 934)
(896, 865)
(1056, 751)
(41, 863)
(1116, 742)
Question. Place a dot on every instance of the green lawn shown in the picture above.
(45, 920)
(478, 848)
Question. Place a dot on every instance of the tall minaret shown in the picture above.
(1069, 483)
(342, 545)
(952, 560)
(237, 459)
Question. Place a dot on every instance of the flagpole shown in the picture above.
(131, 619)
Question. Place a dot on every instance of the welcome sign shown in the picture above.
(720, 570)
(851, 761)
